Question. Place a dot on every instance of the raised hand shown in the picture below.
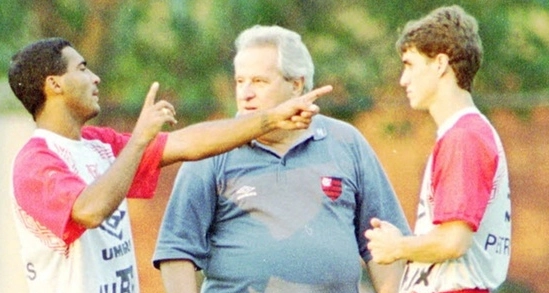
(153, 116)
(297, 113)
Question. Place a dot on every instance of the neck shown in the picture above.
(63, 129)
(56, 119)
(281, 140)
(450, 103)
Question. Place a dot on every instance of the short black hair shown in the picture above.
(31, 66)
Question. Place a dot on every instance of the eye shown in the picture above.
(259, 80)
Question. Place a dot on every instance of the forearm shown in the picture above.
(179, 276)
(102, 197)
(207, 139)
(386, 278)
(210, 138)
(447, 241)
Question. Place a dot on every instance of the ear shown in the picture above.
(297, 86)
(53, 85)
(443, 64)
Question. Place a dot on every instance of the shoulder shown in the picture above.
(333, 122)
(471, 129)
(336, 127)
(471, 137)
(34, 160)
(341, 136)
(32, 148)
(474, 122)
(108, 136)
(101, 133)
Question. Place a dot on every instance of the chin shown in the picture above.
(244, 112)
(415, 104)
(412, 104)
(94, 113)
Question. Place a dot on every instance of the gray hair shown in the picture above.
(294, 60)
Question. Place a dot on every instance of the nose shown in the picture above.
(404, 80)
(95, 79)
(245, 91)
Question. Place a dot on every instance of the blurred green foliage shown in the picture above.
(188, 47)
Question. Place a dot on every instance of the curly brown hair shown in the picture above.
(447, 30)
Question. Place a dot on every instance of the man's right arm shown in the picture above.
(101, 198)
(386, 277)
(179, 276)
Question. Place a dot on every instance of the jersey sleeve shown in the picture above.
(45, 189)
(148, 172)
(464, 165)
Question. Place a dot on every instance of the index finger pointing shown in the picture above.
(317, 93)
(151, 95)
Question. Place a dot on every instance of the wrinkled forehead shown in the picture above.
(256, 58)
